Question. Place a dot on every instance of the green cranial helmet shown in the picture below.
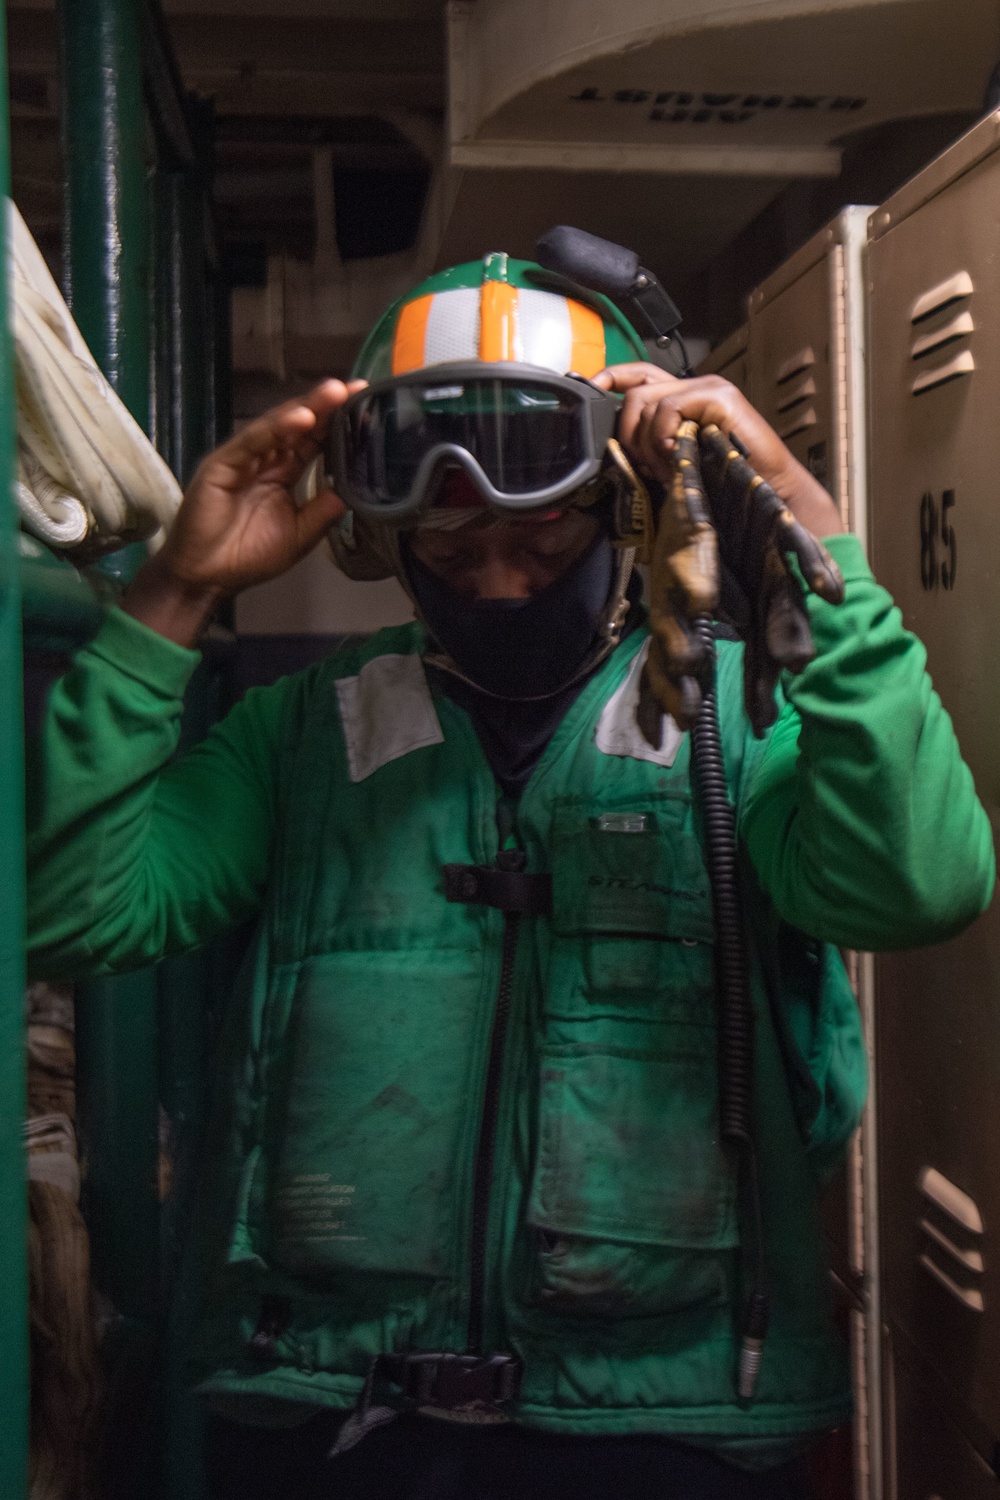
(516, 347)
(498, 309)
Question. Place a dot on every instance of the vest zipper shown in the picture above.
(507, 859)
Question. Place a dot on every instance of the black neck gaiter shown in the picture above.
(530, 649)
(519, 648)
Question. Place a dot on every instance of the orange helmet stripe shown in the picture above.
(588, 354)
(411, 333)
(498, 321)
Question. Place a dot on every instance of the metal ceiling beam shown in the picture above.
(682, 160)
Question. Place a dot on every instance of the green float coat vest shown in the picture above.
(345, 1152)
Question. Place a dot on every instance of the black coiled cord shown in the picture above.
(733, 991)
(735, 1011)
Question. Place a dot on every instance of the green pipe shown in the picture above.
(106, 221)
(185, 430)
(164, 87)
(13, 1206)
(190, 336)
(106, 273)
(105, 247)
(60, 607)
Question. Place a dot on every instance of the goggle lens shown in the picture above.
(525, 437)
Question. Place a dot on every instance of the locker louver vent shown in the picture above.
(934, 348)
(952, 1227)
(795, 387)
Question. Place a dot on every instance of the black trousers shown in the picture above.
(420, 1458)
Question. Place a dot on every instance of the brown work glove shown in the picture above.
(713, 486)
(683, 584)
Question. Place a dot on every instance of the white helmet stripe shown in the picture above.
(546, 330)
(452, 326)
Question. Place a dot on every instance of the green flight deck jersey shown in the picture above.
(361, 1198)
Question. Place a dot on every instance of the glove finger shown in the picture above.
(685, 555)
(786, 632)
(760, 678)
(818, 568)
(715, 450)
(649, 714)
(695, 570)
(744, 527)
(753, 500)
(734, 606)
(688, 486)
(677, 643)
(661, 692)
(767, 516)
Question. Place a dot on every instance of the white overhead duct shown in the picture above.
(756, 87)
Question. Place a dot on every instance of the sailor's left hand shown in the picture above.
(656, 404)
(718, 527)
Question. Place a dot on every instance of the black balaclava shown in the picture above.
(516, 649)
(531, 648)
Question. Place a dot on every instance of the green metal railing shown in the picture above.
(13, 1191)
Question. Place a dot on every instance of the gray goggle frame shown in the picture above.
(597, 413)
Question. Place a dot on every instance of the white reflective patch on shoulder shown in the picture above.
(386, 711)
(618, 731)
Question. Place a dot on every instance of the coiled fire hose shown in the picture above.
(89, 480)
(718, 504)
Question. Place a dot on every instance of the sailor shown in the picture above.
(468, 1225)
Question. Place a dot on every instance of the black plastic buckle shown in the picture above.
(508, 890)
(451, 1381)
(272, 1324)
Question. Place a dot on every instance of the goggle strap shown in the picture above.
(634, 518)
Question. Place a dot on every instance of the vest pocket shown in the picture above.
(649, 881)
(633, 1203)
(367, 1156)
(632, 929)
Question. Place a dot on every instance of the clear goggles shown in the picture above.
(525, 437)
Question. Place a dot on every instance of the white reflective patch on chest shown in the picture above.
(618, 731)
(386, 711)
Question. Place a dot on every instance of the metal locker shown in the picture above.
(933, 1459)
(807, 375)
(729, 359)
(806, 358)
(800, 359)
(934, 265)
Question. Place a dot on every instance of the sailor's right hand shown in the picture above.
(239, 523)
